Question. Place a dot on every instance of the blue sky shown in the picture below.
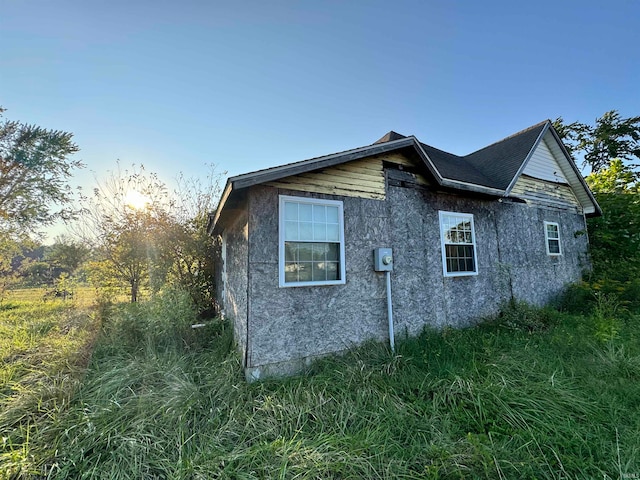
(248, 85)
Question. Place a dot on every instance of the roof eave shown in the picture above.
(213, 220)
(272, 174)
(276, 173)
(472, 187)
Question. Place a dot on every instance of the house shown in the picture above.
(467, 233)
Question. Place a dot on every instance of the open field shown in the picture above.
(535, 394)
(82, 296)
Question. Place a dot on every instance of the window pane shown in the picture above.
(333, 272)
(332, 214)
(291, 231)
(306, 231)
(469, 265)
(459, 257)
(290, 250)
(290, 272)
(305, 252)
(319, 231)
(319, 251)
(319, 213)
(304, 272)
(449, 265)
(333, 232)
(291, 211)
(554, 246)
(333, 252)
(305, 212)
(319, 273)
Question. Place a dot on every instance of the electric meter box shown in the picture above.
(383, 260)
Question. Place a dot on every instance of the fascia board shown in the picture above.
(223, 200)
(472, 187)
(276, 173)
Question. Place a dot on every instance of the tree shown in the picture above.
(125, 221)
(34, 171)
(9, 248)
(611, 137)
(65, 255)
(192, 250)
(615, 236)
(148, 236)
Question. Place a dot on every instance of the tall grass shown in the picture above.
(532, 394)
(43, 348)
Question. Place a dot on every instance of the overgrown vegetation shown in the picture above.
(530, 394)
(44, 348)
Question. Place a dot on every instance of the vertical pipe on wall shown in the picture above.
(390, 313)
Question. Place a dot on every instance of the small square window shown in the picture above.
(552, 238)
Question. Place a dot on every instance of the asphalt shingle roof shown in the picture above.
(501, 161)
(493, 166)
(490, 170)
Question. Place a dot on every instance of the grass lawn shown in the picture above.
(537, 394)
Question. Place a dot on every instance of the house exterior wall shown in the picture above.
(288, 325)
(234, 278)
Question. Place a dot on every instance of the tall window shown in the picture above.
(552, 238)
(311, 242)
(458, 244)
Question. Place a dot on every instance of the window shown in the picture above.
(311, 242)
(458, 244)
(552, 238)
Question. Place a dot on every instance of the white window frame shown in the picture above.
(281, 240)
(547, 238)
(442, 215)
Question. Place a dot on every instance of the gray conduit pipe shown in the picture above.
(390, 313)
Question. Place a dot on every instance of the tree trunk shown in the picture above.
(134, 292)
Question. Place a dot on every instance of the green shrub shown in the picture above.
(577, 298)
(606, 317)
(523, 316)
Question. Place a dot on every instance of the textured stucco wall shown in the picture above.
(286, 324)
(235, 285)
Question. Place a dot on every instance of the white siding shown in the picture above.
(549, 194)
(573, 180)
(544, 166)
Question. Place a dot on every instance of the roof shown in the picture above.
(492, 170)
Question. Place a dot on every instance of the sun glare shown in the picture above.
(136, 200)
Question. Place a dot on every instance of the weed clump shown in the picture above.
(518, 315)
